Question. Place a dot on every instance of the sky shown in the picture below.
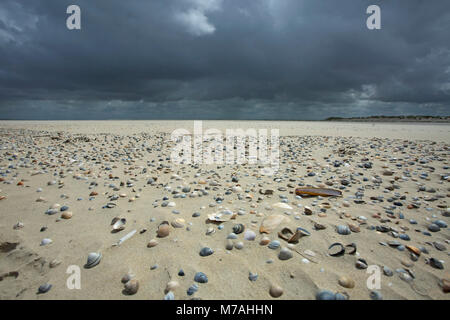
(223, 59)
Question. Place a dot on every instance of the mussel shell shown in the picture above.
(436, 263)
(44, 288)
(361, 264)
(338, 249)
(119, 224)
(93, 260)
(192, 289)
(303, 232)
(238, 228)
(350, 248)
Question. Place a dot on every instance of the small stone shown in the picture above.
(276, 291)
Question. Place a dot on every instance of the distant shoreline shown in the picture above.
(428, 119)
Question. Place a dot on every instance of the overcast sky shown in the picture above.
(223, 59)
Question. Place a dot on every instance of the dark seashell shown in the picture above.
(325, 295)
(375, 295)
(181, 273)
(252, 276)
(434, 227)
(44, 288)
(192, 289)
(436, 263)
(336, 249)
(200, 277)
(440, 224)
(238, 228)
(204, 252)
(383, 229)
(361, 264)
(341, 296)
(387, 271)
(404, 236)
(394, 243)
(439, 246)
(350, 248)
(303, 232)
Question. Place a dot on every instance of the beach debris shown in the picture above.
(238, 228)
(323, 192)
(200, 277)
(163, 229)
(131, 287)
(276, 291)
(271, 222)
(44, 288)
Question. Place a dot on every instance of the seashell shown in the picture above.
(249, 235)
(169, 296)
(435, 263)
(252, 276)
(232, 236)
(171, 285)
(66, 215)
(210, 231)
(445, 285)
(204, 252)
(346, 282)
(282, 205)
(119, 224)
(276, 291)
(229, 245)
(163, 230)
(350, 248)
(285, 254)
(239, 245)
(308, 211)
(270, 223)
(131, 287)
(18, 225)
(127, 278)
(54, 263)
(354, 228)
(439, 246)
(434, 227)
(46, 241)
(200, 277)
(238, 228)
(387, 271)
(325, 295)
(319, 226)
(152, 243)
(343, 230)
(274, 244)
(44, 288)
(336, 249)
(323, 192)
(440, 224)
(361, 264)
(341, 296)
(93, 260)
(413, 249)
(264, 241)
(375, 295)
(192, 289)
(178, 223)
(93, 193)
(405, 277)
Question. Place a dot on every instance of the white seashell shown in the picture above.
(46, 241)
(249, 235)
(119, 224)
(282, 205)
(178, 223)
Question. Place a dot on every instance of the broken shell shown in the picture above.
(18, 225)
(361, 264)
(93, 260)
(127, 278)
(210, 231)
(131, 287)
(270, 223)
(413, 249)
(276, 291)
(66, 215)
(336, 249)
(119, 224)
(46, 241)
(346, 282)
(54, 263)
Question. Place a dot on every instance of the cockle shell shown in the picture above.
(152, 243)
(178, 223)
(163, 230)
(66, 215)
(264, 241)
(171, 285)
(93, 260)
(346, 282)
(131, 287)
(270, 223)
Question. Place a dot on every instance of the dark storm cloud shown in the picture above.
(261, 59)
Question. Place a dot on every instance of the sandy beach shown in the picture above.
(393, 177)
